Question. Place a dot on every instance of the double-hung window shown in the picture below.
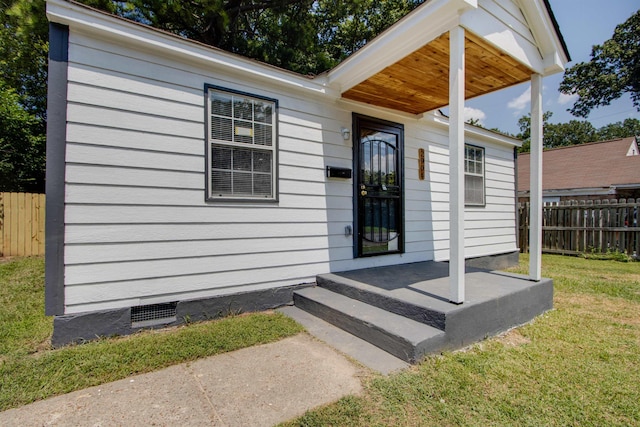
(474, 194)
(242, 145)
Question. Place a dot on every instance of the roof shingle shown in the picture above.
(592, 165)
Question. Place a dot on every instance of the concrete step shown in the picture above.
(429, 312)
(366, 353)
(398, 335)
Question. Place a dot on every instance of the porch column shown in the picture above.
(535, 230)
(456, 164)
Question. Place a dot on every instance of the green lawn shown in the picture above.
(30, 370)
(576, 365)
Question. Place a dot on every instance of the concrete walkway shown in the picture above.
(256, 386)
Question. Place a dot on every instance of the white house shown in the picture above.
(177, 172)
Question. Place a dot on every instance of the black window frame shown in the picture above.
(210, 193)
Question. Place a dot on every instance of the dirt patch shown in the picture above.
(512, 338)
(598, 306)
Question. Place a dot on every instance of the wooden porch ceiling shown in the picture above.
(420, 82)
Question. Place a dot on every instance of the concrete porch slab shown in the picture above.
(494, 301)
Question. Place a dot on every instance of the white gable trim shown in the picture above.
(633, 148)
(551, 47)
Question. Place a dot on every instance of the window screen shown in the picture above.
(242, 146)
(474, 175)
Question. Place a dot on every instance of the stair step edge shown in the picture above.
(398, 325)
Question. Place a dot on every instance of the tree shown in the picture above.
(23, 95)
(24, 46)
(524, 123)
(630, 127)
(22, 153)
(574, 132)
(614, 69)
(305, 36)
(23, 53)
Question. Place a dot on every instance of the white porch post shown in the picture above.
(535, 230)
(456, 164)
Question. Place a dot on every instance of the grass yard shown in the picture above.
(576, 365)
(30, 370)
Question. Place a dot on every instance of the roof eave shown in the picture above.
(481, 133)
(92, 21)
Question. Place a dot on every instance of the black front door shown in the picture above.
(379, 152)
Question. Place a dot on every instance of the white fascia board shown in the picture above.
(543, 30)
(473, 131)
(132, 34)
(626, 186)
(418, 28)
(573, 192)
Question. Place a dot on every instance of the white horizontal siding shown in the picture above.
(511, 15)
(86, 154)
(135, 175)
(133, 140)
(126, 214)
(178, 267)
(139, 231)
(85, 234)
(503, 24)
(174, 249)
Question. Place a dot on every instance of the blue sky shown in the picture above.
(583, 23)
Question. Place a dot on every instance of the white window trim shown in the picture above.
(210, 195)
(481, 175)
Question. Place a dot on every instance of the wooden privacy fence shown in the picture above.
(574, 227)
(21, 224)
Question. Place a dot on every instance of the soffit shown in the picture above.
(420, 81)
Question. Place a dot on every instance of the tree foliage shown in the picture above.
(305, 36)
(22, 160)
(23, 52)
(629, 127)
(23, 95)
(614, 69)
(574, 132)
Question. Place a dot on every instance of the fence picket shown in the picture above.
(574, 227)
(22, 224)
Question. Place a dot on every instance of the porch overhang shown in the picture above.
(419, 82)
(448, 51)
(406, 68)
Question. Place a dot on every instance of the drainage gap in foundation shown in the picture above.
(144, 316)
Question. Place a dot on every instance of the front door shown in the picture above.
(378, 154)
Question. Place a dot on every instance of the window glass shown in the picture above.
(241, 138)
(474, 186)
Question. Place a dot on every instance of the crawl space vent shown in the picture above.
(153, 314)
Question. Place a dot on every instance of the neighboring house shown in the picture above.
(593, 171)
(178, 173)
